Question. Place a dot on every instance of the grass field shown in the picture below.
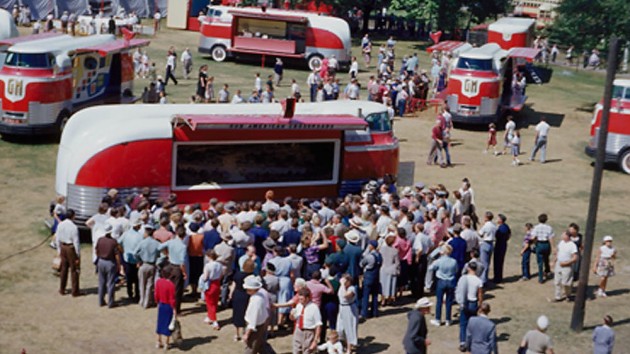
(37, 319)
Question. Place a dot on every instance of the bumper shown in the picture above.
(609, 158)
(40, 129)
(458, 118)
(204, 50)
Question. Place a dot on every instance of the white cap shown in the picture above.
(608, 238)
(252, 282)
(422, 303)
(542, 322)
(300, 282)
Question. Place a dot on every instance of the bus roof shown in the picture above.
(89, 131)
(622, 82)
(487, 51)
(512, 25)
(60, 44)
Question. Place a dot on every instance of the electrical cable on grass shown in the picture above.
(26, 250)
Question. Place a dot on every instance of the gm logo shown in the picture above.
(14, 90)
(470, 88)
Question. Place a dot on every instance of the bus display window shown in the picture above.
(379, 122)
(255, 164)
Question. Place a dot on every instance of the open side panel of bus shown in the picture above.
(238, 157)
(272, 34)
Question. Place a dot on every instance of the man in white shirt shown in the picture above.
(308, 324)
(469, 235)
(258, 84)
(487, 234)
(269, 203)
(69, 250)
(510, 126)
(187, 63)
(543, 234)
(237, 98)
(97, 223)
(542, 131)
(224, 94)
(469, 295)
(353, 90)
(566, 255)
(256, 316)
(295, 90)
(312, 81)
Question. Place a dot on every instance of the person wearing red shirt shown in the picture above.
(165, 298)
(437, 136)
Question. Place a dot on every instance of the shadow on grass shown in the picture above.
(615, 324)
(189, 343)
(32, 139)
(503, 337)
(531, 117)
(368, 346)
(501, 320)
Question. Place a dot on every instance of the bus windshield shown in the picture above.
(474, 64)
(30, 60)
(618, 92)
(378, 122)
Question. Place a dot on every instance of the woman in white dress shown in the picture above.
(348, 317)
(605, 264)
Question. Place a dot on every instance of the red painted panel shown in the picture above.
(216, 31)
(471, 73)
(134, 164)
(369, 164)
(517, 40)
(486, 89)
(243, 194)
(43, 92)
(193, 24)
(618, 123)
(185, 134)
(321, 38)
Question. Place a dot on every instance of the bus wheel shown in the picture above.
(315, 62)
(218, 53)
(624, 161)
(62, 120)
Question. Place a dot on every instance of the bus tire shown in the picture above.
(315, 62)
(62, 120)
(624, 161)
(218, 53)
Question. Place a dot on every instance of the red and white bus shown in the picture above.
(618, 139)
(44, 78)
(512, 32)
(297, 35)
(230, 152)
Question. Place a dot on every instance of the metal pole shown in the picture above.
(577, 318)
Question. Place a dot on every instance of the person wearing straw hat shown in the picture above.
(353, 254)
(536, 341)
(605, 264)
(256, 316)
(108, 263)
(147, 255)
(415, 340)
(371, 264)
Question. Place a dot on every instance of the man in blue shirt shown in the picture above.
(177, 252)
(211, 237)
(459, 248)
(353, 254)
(129, 242)
(292, 236)
(500, 247)
(146, 256)
(445, 270)
(260, 235)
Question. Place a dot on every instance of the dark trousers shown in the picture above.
(500, 248)
(313, 92)
(177, 277)
(169, 75)
(329, 312)
(69, 261)
(468, 310)
(542, 257)
(525, 263)
(371, 287)
(131, 273)
(421, 273)
(106, 279)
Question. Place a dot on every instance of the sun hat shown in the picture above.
(353, 236)
(407, 191)
(357, 222)
(137, 222)
(252, 283)
(608, 238)
(422, 303)
(108, 229)
(542, 322)
(269, 244)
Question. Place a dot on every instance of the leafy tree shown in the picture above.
(588, 24)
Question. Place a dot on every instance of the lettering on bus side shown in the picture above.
(282, 127)
(470, 87)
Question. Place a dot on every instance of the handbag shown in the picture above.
(171, 326)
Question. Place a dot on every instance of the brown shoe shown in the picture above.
(62, 292)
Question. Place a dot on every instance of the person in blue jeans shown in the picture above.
(469, 294)
(445, 270)
(371, 265)
(526, 251)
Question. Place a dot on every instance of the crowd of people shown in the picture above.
(322, 267)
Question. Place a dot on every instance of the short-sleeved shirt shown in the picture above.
(107, 248)
(317, 289)
(488, 231)
(537, 342)
(474, 284)
(542, 232)
(566, 250)
(542, 129)
(176, 251)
